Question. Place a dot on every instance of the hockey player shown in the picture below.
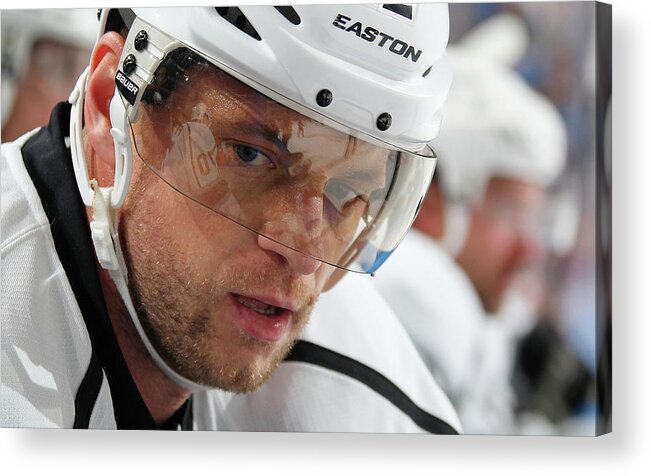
(227, 162)
(500, 146)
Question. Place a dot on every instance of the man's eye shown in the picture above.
(251, 155)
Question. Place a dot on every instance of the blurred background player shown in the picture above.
(485, 225)
(43, 54)
(562, 61)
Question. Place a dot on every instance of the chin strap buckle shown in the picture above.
(103, 229)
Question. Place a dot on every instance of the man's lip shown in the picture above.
(270, 328)
(284, 304)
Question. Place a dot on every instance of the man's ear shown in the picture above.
(100, 91)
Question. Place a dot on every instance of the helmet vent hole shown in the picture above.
(400, 9)
(235, 17)
(289, 13)
(427, 71)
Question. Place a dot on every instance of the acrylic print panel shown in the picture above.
(493, 315)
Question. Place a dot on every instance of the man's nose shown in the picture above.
(297, 261)
(293, 229)
(310, 212)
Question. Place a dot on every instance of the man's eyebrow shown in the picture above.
(258, 128)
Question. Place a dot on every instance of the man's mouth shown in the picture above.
(265, 320)
(258, 306)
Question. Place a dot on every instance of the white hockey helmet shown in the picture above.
(495, 126)
(23, 29)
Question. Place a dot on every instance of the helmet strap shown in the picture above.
(105, 203)
(109, 254)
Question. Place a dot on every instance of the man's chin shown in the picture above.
(261, 368)
(242, 370)
(244, 379)
(246, 383)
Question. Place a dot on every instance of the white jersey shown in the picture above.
(46, 350)
(439, 307)
(355, 370)
(61, 364)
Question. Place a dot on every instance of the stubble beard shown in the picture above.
(180, 313)
(192, 341)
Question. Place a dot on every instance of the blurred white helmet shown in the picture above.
(22, 29)
(501, 38)
(495, 125)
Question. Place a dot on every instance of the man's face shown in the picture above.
(223, 304)
(503, 238)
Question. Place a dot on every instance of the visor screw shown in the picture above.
(141, 40)
(384, 121)
(129, 64)
(324, 98)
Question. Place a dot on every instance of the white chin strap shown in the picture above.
(105, 202)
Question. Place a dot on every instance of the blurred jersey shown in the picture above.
(441, 311)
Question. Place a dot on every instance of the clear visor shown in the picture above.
(303, 185)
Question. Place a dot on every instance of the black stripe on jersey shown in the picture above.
(49, 164)
(188, 416)
(87, 393)
(182, 420)
(314, 354)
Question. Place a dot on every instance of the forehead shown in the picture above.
(229, 98)
(228, 103)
